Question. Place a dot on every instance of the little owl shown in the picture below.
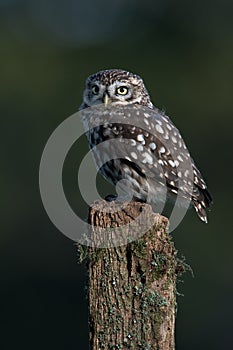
(157, 149)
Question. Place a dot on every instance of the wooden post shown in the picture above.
(132, 288)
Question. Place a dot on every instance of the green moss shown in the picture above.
(82, 252)
(182, 267)
(86, 253)
(137, 290)
(138, 248)
(154, 299)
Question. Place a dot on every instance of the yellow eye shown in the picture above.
(122, 90)
(95, 89)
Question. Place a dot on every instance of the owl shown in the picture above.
(158, 148)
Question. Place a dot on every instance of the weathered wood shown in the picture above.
(132, 288)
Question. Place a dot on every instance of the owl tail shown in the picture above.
(201, 211)
(201, 203)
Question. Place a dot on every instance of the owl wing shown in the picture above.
(157, 150)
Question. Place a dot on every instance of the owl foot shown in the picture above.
(111, 197)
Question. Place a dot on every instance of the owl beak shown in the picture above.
(107, 100)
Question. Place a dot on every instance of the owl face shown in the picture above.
(115, 87)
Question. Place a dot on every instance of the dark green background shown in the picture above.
(184, 52)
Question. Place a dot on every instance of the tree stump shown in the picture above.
(132, 288)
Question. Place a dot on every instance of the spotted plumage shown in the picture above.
(155, 153)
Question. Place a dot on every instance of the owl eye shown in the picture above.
(122, 90)
(95, 89)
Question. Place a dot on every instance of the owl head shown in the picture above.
(115, 87)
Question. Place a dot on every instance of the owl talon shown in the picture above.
(111, 197)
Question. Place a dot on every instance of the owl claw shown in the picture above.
(111, 197)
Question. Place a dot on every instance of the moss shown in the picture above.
(154, 299)
(137, 290)
(138, 248)
(144, 346)
(82, 252)
(86, 253)
(182, 267)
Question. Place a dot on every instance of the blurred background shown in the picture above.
(184, 52)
